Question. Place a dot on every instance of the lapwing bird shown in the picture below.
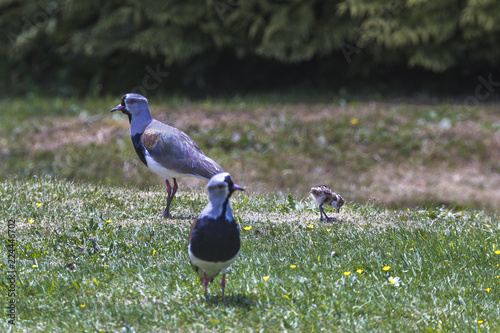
(214, 239)
(164, 149)
(324, 195)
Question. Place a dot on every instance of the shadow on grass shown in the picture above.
(184, 217)
(238, 300)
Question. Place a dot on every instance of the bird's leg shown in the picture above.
(174, 189)
(166, 212)
(223, 285)
(321, 212)
(205, 283)
(326, 216)
(170, 195)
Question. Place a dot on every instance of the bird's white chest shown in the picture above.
(160, 169)
(211, 268)
(319, 199)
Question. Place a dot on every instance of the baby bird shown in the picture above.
(324, 195)
(214, 239)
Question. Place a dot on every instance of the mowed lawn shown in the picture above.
(377, 269)
(402, 153)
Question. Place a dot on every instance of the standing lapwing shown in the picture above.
(167, 151)
(214, 239)
(324, 195)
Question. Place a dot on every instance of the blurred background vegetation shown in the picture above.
(80, 48)
(386, 99)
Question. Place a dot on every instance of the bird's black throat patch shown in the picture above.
(139, 147)
(215, 240)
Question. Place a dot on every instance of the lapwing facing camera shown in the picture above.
(324, 195)
(214, 239)
(164, 149)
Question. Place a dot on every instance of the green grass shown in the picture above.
(402, 153)
(141, 279)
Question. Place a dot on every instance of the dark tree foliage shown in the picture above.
(90, 47)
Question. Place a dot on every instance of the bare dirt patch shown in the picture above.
(466, 185)
(52, 134)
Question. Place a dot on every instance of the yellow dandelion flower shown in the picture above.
(497, 277)
(328, 230)
(347, 273)
(108, 221)
(293, 266)
(248, 228)
(487, 289)
(386, 268)
(310, 226)
(266, 278)
(35, 266)
(354, 121)
(1, 265)
(154, 251)
(497, 252)
(31, 221)
(488, 226)
(359, 270)
(479, 321)
(38, 204)
(82, 305)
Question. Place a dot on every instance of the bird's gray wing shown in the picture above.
(176, 151)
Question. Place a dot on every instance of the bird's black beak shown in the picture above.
(119, 107)
(236, 187)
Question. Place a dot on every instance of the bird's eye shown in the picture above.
(220, 186)
(131, 101)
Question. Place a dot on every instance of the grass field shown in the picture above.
(377, 270)
(403, 153)
(417, 246)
